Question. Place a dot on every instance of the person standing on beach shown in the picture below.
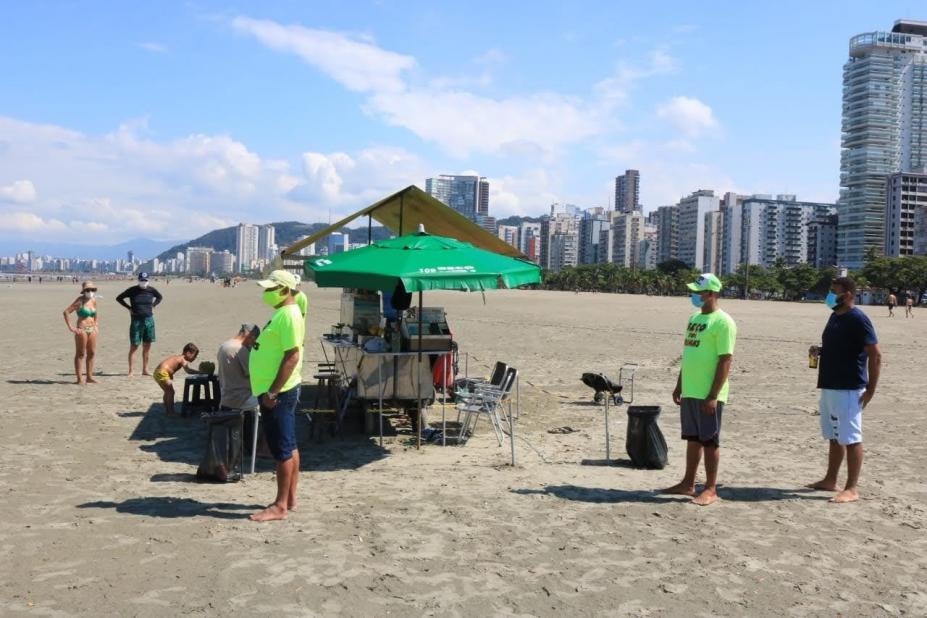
(892, 301)
(848, 372)
(909, 306)
(702, 386)
(142, 300)
(275, 368)
(85, 330)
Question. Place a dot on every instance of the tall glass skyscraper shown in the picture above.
(468, 195)
(884, 130)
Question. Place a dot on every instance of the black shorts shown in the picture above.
(698, 426)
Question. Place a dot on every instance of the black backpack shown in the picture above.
(222, 461)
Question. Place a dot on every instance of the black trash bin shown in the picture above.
(645, 444)
(222, 461)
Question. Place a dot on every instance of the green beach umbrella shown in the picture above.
(422, 262)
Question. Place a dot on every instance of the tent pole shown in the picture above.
(418, 433)
(369, 229)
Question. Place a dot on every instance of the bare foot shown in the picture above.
(708, 496)
(679, 489)
(145, 373)
(271, 513)
(823, 485)
(292, 505)
(847, 495)
(171, 414)
(79, 381)
(130, 374)
(92, 380)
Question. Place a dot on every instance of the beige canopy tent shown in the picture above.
(403, 211)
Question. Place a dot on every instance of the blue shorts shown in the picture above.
(698, 426)
(280, 425)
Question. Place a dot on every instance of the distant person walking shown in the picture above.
(275, 368)
(892, 301)
(85, 330)
(848, 372)
(909, 306)
(702, 387)
(142, 300)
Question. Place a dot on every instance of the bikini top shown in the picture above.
(86, 312)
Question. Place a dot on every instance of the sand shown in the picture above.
(99, 514)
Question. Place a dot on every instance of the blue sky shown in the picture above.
(165, 120)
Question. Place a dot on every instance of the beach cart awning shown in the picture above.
(404, 211)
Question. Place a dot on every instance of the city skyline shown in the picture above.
(378, 99)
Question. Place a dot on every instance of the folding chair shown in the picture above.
(486, 400)
(467, 385)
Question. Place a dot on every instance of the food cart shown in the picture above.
(462, 256)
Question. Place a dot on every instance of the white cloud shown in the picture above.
(347, 183)
(441, 110)
(529, 194)
(358, 65)
(124, 184)
(20, 192)
(155, 48)
(689, 115)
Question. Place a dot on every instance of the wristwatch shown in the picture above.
(271, 396)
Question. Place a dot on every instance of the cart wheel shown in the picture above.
(599, 397)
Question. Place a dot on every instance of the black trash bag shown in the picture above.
(222, 461)
(645, 444)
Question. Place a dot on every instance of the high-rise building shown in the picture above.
(198, 260)
(906, 194)
(338, 242)
(508, 233)
(246, 246)
(884, 130)
(647, 253)
(267, 243)
(691, 226)
(771, 230)
(591, 225)
(529, 240)
(626, 232)
(468, 195)
(822, 241)
(667, 222)
(714, 241)
(732, 227)
(628, 191)
(560, 237)
(221, 262)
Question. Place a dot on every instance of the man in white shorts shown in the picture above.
(848, 372)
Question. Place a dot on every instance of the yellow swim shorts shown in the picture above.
(161, 376)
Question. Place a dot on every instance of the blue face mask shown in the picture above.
(696, 299)
(831, 301)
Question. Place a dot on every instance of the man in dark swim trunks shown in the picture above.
(142, 300)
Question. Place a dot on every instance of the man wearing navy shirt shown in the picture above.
(848, 372)
(142, 299)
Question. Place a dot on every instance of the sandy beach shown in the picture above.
(99, 514)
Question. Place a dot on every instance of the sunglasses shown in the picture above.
(89, 290)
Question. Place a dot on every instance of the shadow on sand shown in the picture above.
(175, 507)
(732, 494)
(183, 440)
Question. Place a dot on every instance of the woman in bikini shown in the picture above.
(86, 330)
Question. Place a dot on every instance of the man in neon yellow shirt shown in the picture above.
(701, 388)
(274, 366)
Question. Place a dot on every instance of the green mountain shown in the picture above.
(286, 233)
